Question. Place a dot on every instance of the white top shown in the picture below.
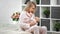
(24, 19)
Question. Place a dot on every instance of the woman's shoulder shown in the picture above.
(23, 12)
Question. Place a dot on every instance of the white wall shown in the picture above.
(7, 7)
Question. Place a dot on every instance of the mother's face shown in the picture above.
(32, 8)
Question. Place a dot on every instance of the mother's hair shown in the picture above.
(29, 4)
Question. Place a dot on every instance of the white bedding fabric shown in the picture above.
(11, 29)
(13, 32)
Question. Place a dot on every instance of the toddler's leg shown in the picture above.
(34, 29)
(43, 30)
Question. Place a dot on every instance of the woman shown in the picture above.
(28, 21)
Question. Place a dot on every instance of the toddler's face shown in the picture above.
(37, 19)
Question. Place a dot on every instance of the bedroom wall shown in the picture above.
(7, 7)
